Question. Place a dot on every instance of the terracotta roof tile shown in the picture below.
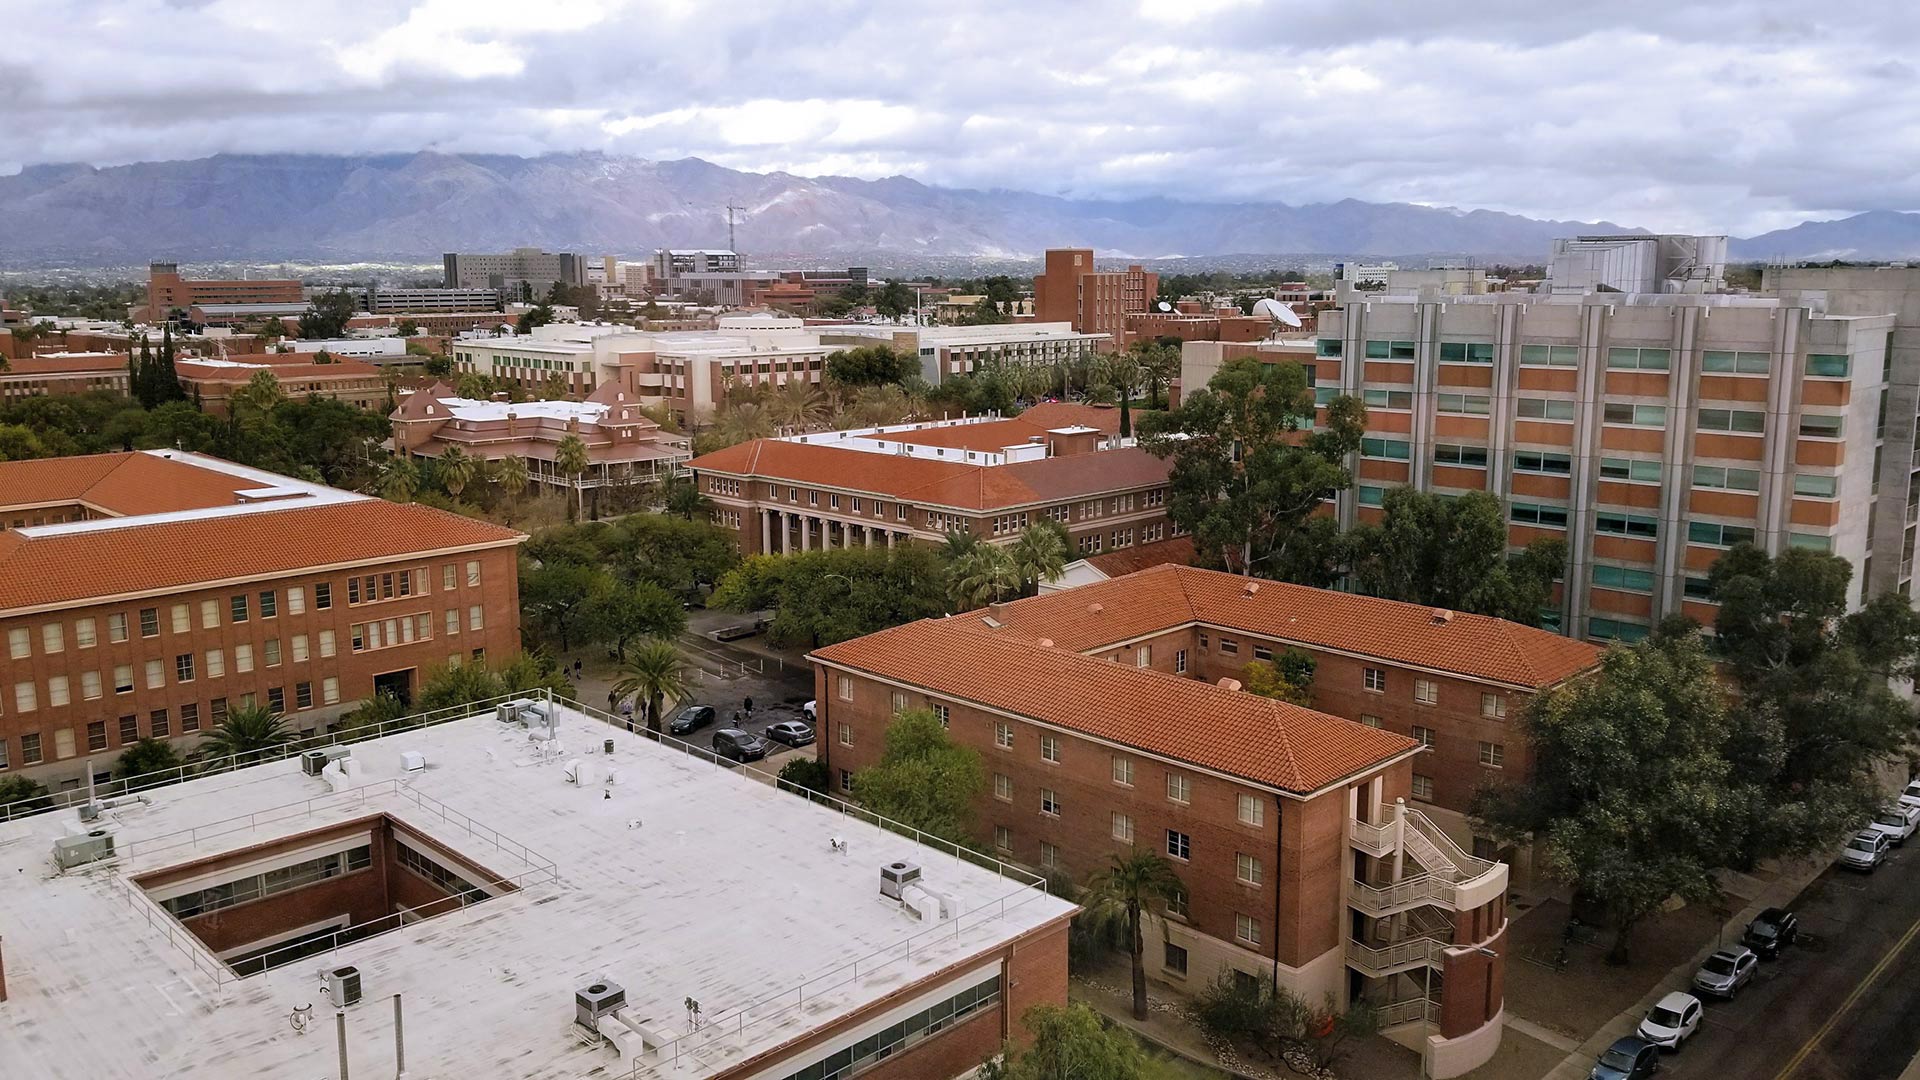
(1178, 551)
(1255, 738)
(122, 485)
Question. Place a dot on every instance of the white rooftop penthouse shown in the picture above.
(546, 894)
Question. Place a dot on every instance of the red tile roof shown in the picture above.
(1153, 600)
(1269, 742)
(1178, 551)
(122, 485)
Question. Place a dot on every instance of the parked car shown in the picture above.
(1911, 796)
(1671, 1020)
(739, 745)
(1897, 821)
(1726, 971)
(791, 732)
(691, 719)
(1770, 931)
(1866, 850)
(807, 711)
(1629, 1058)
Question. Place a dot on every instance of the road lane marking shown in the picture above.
(1853, 999)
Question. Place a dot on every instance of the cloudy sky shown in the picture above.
(1733, 115)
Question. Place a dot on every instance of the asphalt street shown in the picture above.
(1842, 1004)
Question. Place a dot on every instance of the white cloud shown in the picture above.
(1738, 115)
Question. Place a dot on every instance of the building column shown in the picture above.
(786, 533)
(806, 532)
(766, 532)
(866, 533)
(846, 535)
(890, 535)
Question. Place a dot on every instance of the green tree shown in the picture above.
(1160, 363)
(893, 300)
(683, 498)
(1134, 886)
(513, 476)
(870, 365)
(1070, 1043)
(399, 478)
(983, 576)
(654, 673)
(145, 759)
(1276, 1019)
(1451, 552)
(1244, 480)
(797, 405)
(19, 443)
(807, 774)
(1630, 801)
(624, 612)
(570, 459)
(1287, 677)
(677, 554)
(1124, 372)
(555, 388)
(923, 779)
(259, 396)
(534, 318)
(327, 316)
(249, 734)
(1040, 555)
(822, 597)
(457, 469)
(20, 796)
(555, 597)
(407, 328)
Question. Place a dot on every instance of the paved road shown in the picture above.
(1844, 1004)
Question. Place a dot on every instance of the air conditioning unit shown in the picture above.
(508, 712)
(595, 1000)
(896, 876)
(343, 985)
(72, 851)
(314, 762)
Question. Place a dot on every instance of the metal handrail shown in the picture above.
(1396, 1013)
(1380, 960)
(1373, 839)
(1469, 866)
(1383, 900)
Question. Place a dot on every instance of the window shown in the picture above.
(1389, 350)
(1715, 534)
(190, 717)
(1423, 736)
(1466, 352)
(846, 734)
(1179, 844)
(1374, 679)
(83, 633)
(30, 748)
(216, 663)
(1369, 719)
(1003, 787)
(240, 604)
(217, 710)
(1815, 485)
(1123, 771)
(1745, 363)
(1252, 810)
(1179, 788)
(1810, 541)
(1829, 364)
(123, 679)
(209, 614)
(19, 642)
(90, 685)
(1615, 630)
(96, 736)
(941, 713)
(1122, 827)
(52, 638)
(297, 600)
(899, 703)
(329, 691)
(1178, 901)
(1635, 415)
(299, 648)
(1387, 399)
(1049, 856)
(1472, 457)
(1638, 359)
(1464, 404)
(1176, 957)
(473, 573)
(1391, 449)
(1426, 691)
(1549, 355)
(149, 622)
(1326, 347)
(1547, 517)
(846, 688)
(303, 695)
(158, 725)
(1143, 656)
(1246, 929)
(276, 700)
(1697, 588)
(156, 674)
(1050, 749)
(1003, 735)
(1533, 408)
(178, 619)
(1534, 461)
(1002, 836)
(1493, 706)
(1246, 869)
(243, 658)
(116, 627)
(1620, 577)
(1493, 754)
(269, 605)
(129, 730)
(1180, 662)
(322, 596)
(1631, 470)
(846, 780)
(1818, 426)
(1049, 802)
(1423, 787)
(476, 617)
(1739, 421)
(1717, 478)
(1203, 643)
(1608, 521)
(453, 621)
(1229, 647)
(58, 691)
(183, 667)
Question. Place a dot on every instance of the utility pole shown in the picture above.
(730, 209)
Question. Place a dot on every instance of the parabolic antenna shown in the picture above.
(1164, 306)
(1277, 311)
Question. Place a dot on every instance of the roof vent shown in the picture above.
(1441, 616)
(896, 876)
(1045, 643)
(1252, 587)
(1229, 684)
(1096, 608)
(595, 1000)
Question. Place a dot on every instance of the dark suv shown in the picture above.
(691, 719)
(1770, 931)
(738, 745)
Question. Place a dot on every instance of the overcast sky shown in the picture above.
(1728, 116)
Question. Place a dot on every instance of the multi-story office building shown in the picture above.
(716, 277)
(211, 382)
(1109, 718)
(56, 373)
(390, 301)
(507, 273)
(958, 350)
(454, 882)
(983, 475)
(1650, 430)
(168, 291)
(146, 594)
(1070, 290)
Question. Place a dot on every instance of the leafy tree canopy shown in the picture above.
(823, 597)
(1452, 553)
(924, 778)
(870, 365)
(1070, 1043)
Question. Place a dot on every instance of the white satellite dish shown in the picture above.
(1277, 311)
(1164, 306)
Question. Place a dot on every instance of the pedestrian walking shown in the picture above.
(749, 706)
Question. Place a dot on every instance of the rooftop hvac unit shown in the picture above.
(343, 985)
(72, 851)
(896, 876)
(508, 712)
(314, 762)
(595, 1000)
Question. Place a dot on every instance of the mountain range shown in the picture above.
(416, 206)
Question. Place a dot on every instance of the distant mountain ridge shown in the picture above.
(344, 208)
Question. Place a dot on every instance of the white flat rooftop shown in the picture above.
(587, 412)
(690, 880)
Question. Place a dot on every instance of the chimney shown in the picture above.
(1070, 441)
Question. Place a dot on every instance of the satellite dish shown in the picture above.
(1277, 311)
(1164, 306)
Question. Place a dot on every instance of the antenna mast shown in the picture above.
(730, 209)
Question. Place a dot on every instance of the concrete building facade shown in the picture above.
(392, 301)
(507, 272)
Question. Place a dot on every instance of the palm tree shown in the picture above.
(1123, 372)
(960, 543)
(877, 406)
(1040, 555)
(570, 458)
(983, 576)
(742, 423)
(1162, 364)
(654, 673)
(797, 405)
(513, 475)
(245, 736)
(457, 467)
(1030, 382)
(399, 478)
(1134, 885)
(684, 498)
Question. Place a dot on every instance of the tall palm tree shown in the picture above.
(1134, 885)
(653, 673)
(399, 478)
(742, 423)
(684, 498)
(570, 458)
(513, 475)
(1123, 372)
(457, 468)
(246, 736)
(877, 406)
(959, 544)
(1040, 555)
(1030, 382)
(983, 576)
(1162, 364)
(797, 405)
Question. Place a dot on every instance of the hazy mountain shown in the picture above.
(1876, 234)
(398, 206)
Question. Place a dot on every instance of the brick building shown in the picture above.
(146, 594)
(1070, 290)
(168, 291)
(623, 445)
(1108, 717)
(59, 373)
(984, 475)
(212, 381)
